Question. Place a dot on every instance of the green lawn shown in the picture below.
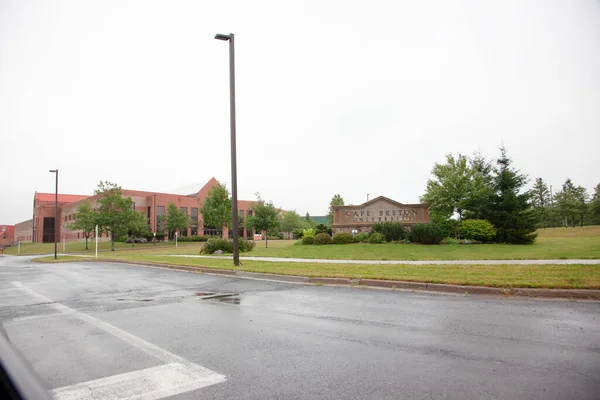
(558, 243)
(551, 243)
(79, 247)
(533, 276)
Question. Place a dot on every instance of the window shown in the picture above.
(194, 222)
(160, 216)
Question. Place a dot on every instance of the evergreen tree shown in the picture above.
(540, 198)
(595, 205)
(510, 210)
(337, 200)
(572, 203)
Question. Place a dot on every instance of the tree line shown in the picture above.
(466, 188)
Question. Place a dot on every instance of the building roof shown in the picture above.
(62, 198)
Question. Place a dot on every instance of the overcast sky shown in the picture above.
(348, 97)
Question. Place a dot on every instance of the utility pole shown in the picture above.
(234, 205)
(55, 171)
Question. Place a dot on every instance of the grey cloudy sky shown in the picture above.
(352, 97)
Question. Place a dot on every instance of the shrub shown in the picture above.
(425, 234)
(376, 237)
(323, 238)
(308, 240)
(450, 240)
(194, 238)
(450, 228)
(213, 245)
(361, 237)
(308, 232)
(298, 233)
(342, 238)
(391, 230)
(322, 228)
(478, 229)
(246, 245)
(226, 246)
(274, 238)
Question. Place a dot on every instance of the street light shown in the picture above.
(55, 171)
(234, 205)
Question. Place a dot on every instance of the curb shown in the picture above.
(583, 294)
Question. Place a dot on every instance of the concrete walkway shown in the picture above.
(395, 262)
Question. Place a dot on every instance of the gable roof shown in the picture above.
(382, 198)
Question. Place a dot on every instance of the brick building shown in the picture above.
(7, 235)
(152, 204)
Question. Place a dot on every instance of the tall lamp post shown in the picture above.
(234, 205)
(55, 171)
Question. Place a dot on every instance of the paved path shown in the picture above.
(108, 330)
(406, 262)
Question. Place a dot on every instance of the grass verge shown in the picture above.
(524, 276)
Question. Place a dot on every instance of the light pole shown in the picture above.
(55, 171)
(234, 205)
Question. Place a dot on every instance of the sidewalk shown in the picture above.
(397, 262)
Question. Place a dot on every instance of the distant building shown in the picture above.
(381, 209)
(152, 204)
(7, 235)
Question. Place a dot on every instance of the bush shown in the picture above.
(213, 245)
(323, 238)
(450, 228)
(273, 238)
(322, 228)
(308, 232)
(376, 237)
(194, 238)
(308, 240)
(342, 238)
(450, 240)
(246, 245)
(478, 229)
(226, 246)
(391, 230)
(425, 234)
(361, 237)
(298, 233)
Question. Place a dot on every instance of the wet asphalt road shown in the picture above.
(102, 328)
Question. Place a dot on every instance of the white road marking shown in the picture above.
(152, 383)
(184, 375)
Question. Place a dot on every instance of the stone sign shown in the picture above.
(380, 209)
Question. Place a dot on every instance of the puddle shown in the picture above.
(135, 299)
(229, 298)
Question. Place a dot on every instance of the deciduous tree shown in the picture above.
(85, 220)
(115, 213)
(265, 217)
(216, 210)
(175, 219)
